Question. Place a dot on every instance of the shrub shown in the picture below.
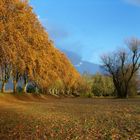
(85, 85)
(132, 90)
(102, 85)
(32, 88)
(19, 89)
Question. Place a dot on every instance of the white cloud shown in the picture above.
(56, 31)
(38, 16)
(133, 2)
(78, 65)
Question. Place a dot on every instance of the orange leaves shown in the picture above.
(44, 117)
(26, 46)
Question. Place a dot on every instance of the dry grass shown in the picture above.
(45, 118)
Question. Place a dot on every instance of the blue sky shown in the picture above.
(89, 28)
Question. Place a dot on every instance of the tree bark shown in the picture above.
(24, 88)
(14, 86)
(3, 87)
(25, 83)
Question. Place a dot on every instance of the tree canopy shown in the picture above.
(26, 51)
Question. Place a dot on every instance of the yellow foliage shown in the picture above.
(26, 47)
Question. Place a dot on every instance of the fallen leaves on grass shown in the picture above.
(69, 119)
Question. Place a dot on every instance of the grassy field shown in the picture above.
(46, 118)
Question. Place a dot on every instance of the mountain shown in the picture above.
(82, 66)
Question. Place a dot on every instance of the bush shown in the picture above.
(87, 95)
(56, 88)
(32, 89)
(19, 89)
(102, 85)
(132, 89)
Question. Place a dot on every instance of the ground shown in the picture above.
(47, 118)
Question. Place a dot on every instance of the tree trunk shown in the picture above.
(24, 88)
(3, 87)
(14, 86)
(122, 92)
(118, 90)
(126, 92)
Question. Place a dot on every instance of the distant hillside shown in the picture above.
(82, 66)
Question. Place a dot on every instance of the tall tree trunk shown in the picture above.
(126, 91)
(3, 87)
(24, 89)
(121, 90)
(14, 86)
(118, 90)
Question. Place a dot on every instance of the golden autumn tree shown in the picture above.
(16, 39)
(6, 44)
(26, 52)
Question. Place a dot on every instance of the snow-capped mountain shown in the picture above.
(82, 66)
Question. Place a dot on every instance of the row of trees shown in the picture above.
(26, 52)
(20, 36)
(27, 55)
